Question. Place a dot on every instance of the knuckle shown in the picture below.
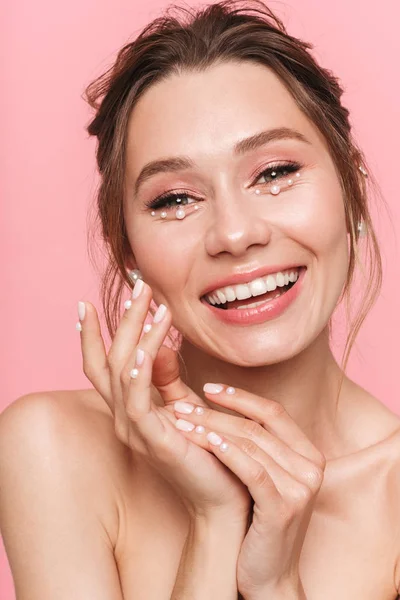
(248, 447)
(315, 477)
(301, 494)
(125, 376)
(275, 409)
(252, 428)
(261, 477)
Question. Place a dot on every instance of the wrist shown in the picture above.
(209, 561)
(216, 533)
(284, 590)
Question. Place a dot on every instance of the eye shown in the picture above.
(171, 200)
(275, 172)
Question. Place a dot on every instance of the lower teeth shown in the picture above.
(254, 304)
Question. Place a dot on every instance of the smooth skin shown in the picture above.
(92, 503)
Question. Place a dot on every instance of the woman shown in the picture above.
(240, 460)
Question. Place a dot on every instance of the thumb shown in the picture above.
(167, 378)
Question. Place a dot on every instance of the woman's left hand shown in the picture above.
(283, 472)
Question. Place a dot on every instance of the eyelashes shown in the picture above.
(181, 198)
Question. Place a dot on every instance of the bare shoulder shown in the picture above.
(74, 431)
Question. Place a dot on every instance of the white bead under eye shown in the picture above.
(275, 188)
(153, 213)
(180, 213)
(163, 214)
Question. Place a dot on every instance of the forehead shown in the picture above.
(205, 113)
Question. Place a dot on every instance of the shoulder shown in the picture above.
(60, 464)
(65, 436)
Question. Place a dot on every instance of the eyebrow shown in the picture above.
(180, 163)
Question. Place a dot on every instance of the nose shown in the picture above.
(237, 224)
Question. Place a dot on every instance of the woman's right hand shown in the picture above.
(206, 486)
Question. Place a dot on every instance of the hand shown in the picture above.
(283, 472)
(205, 485)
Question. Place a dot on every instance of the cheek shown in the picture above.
(165, 259)
(316, 218)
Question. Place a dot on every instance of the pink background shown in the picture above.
(48, 175)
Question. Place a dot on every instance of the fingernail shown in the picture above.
(213, 388)
(147, 328)
(128, 304)
(184, 425)
(81, 310)
(183, 407)
(78, 326)
(160, 313)
(214, 439)
(139, 357)
(137, 288)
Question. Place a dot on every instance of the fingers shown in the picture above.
(267, 482)
(271, 415)
(256, 469)
(137, 390)
(130, 326)
(94, 355)
(231, 451)
(203, 420)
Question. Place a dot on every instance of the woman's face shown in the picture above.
(201, 117)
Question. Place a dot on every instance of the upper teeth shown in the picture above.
(258, 286)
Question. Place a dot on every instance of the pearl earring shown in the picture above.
(363, 171)
(362, 230)
(135, 275)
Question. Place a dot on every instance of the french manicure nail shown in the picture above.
(81, 310)
(214, 439)
(184, 425)
(213, 388)
(139, 357)
(183, 407)
(160, 313)
(137, 288)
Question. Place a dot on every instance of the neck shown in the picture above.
(308, 386)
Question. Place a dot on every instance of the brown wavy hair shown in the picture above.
(191, 40)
